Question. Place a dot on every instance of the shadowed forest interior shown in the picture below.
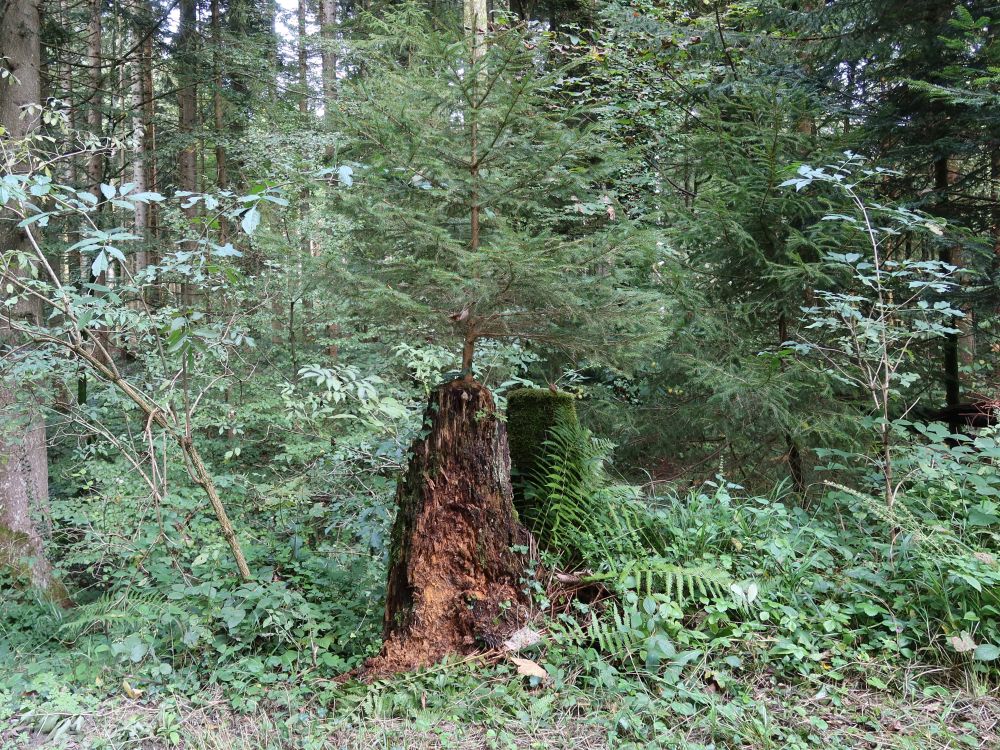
(557, 374)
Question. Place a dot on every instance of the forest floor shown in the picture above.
(765, 716)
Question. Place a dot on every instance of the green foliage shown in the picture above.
(634, 239)
(605, 528)
(482, 208)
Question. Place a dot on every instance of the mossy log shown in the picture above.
(454, 580)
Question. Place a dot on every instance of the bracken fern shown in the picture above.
(578, 513)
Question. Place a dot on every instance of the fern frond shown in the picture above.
(577, 512)
(128, 611)
(682, 584)
(613, 632)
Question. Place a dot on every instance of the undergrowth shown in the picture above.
(657, 606)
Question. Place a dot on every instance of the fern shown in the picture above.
(622, 632)
(115, 613)
(613, 632)
(655, 575)
(576, 511)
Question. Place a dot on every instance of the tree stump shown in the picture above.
(454, 583)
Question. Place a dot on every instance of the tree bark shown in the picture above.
(187, 103)
(24, 484)
(328, 50)
(454, 579)
(328, 37)
(221, 169)
(951, 376)
(140, 135)
(95, 113)
(303, 60)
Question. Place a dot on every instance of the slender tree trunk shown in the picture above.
(95, 110)
(218, 105)
(187, 102)
(95, 165)
(952, 381)
(475, 31)
(297, 284)
(995, 221)
(793, 455)
(328, 37)
(218, 109)
(303, 61)
(23, 458)
(140, 153)
(149, 128)
(454, 581)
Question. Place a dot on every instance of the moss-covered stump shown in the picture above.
(454, 581)
(531, 413)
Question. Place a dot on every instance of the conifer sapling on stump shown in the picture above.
(454, 575)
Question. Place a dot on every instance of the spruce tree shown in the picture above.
(478, 212)
(481, 204)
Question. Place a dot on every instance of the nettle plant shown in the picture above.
(888, 299)
(159, 329)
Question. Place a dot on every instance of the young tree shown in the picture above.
(482, 210)
(866, 330)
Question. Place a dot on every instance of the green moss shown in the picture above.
(13, 546)
(531, 413)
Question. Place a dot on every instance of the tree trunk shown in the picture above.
(951, 377)
(475, 27)
(303, 60)
(95, 162)
(149, 129)
(454, 579)
(221, 171)
(328, 50)
(187, 104)
(141, 154)
(24, 481)
(24, 488)
(95, 110)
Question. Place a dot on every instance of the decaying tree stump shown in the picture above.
(454, 581)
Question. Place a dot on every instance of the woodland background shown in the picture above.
(741, 259)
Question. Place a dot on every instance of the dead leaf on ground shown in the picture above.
(962, 643)
(528, 668)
